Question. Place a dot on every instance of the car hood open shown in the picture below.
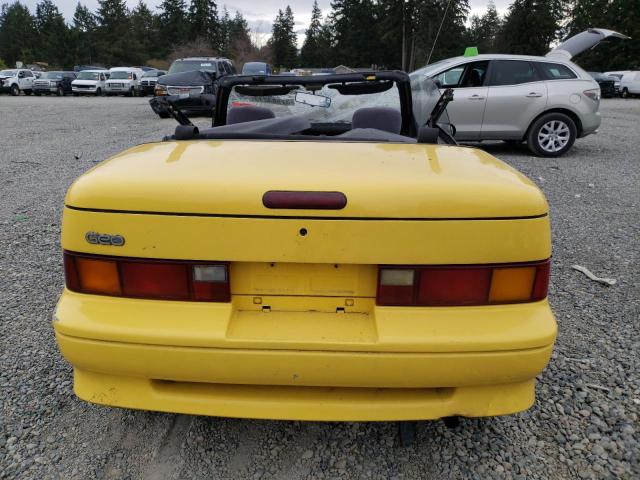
(582, 42)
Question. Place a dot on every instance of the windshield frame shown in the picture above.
(400, 79)
(96, 75)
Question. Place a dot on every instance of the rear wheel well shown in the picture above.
(564, 111)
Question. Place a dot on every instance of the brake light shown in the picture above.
(459, 285)
(146, 278)
(304, 200)
(593, 94)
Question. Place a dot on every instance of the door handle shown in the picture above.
(476, 97)
(534, 95)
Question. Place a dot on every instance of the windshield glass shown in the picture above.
(88, 76)
(254, 68)
(151, 73)
(336, 108)
(430, 69)
(8, 73)
(333, 107)
(52, 75)
(189, 65)
(120, 75)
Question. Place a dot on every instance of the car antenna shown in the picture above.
(438, 34)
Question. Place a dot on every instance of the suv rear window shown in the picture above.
(512, 72)
(555, 71)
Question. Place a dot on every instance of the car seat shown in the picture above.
(382, 118)
(248, 114)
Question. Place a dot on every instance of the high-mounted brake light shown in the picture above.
(147, 278)
(460, 285)
(304, 200)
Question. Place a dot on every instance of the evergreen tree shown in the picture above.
(144, 25)
(283, 40)
(484, 30)
(203, 22)
(173, 25)
(530, 26)
(83, 35)
(115, 45)
(357, 40)
(315, 50)
(17, 34)
(53, 35)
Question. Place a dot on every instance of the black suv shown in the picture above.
(54, 82)
(194, 75)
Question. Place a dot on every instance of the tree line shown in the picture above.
(404, 34)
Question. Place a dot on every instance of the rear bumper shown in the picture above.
(393, 364)
(590, 123)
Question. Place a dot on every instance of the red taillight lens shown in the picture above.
(463, 285)
(304, 200)
(149, 279)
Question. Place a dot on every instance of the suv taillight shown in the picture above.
(147, 278)
(462, 285)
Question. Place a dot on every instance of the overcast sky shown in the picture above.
(259, 14)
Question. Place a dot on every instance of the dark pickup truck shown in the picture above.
(54, 82)
(186, 76)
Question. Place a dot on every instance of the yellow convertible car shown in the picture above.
(322, 252)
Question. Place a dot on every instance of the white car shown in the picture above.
(124, 81)
(90, 82)
(546, 101)
(17, 80)
(630, 84)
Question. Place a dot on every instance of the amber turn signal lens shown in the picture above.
(98, 276)
(512, 284)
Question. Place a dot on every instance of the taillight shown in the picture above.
(593, 94)
(459, 285)
(147, 278)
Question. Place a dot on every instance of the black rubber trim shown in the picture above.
(298, 217)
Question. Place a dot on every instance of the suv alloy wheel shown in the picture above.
(551, 135)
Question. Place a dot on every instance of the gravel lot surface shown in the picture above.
(585, 420)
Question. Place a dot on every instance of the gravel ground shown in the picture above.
(585, 420)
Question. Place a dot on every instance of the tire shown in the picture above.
(99, 92)
(407, 433)
(60, 91)
(15, 90)
(625, 93)
(132, 92)
(552, 135)
(76, 94)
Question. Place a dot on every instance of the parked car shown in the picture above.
(90, 82)
(16, 80)
(149, 80)
(54, 82)
(546, 101)
(606, 84)
(616, 76)
(195, 75)
(231, 272)
(256, 68)
(124, 81)
(630, 84)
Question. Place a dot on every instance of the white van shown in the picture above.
(124, 81)
(630, 84)
(90, 82)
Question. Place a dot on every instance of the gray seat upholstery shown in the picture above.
(248, 114)
(382, 118)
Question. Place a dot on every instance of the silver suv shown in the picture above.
(546, 101)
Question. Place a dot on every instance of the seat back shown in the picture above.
(248, 114)
(382, 118)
